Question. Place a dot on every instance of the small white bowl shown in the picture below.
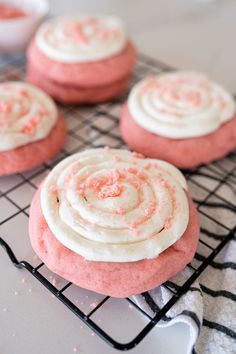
(16, 33)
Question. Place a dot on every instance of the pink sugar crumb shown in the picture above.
(148, 165)
(164, 183)
(53, 189)
(142, 176)
(75, 31)
(106, 149)
(133, 229)
(29, 128)
(23, 111)
(137, 155)
(23, 92)
(149, 210)
(106, 186)
(110, 191)
(168, 222)
(120, 211)
(43, 112)
(116, 158)
(132, 170)
(5, 107)
(223, 104)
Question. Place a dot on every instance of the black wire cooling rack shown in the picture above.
(212, 186)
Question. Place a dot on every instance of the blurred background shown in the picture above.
(191, 34)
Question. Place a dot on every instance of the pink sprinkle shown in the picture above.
(23, 111)
(132, 170)
(148, 165)
(133, 229)
(116, 158)
(30, 290)
(5, 107)
(23, 280)
(164, 183)
(29, 128)
(110, 191)
(16, 293)
(137, 155)
(53, 189)
(92, 334)
(120, 211)
(168, 222)
(106, 149)
(43, 111)
(75, 31)
(142, 176)
(75, 350)
(223, 104)
(149, 210)
(23, 92)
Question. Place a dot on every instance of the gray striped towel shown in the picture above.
(209, 307)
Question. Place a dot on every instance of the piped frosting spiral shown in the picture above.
(27, 114)
(114, 205)
(78, 39)
(180, 105)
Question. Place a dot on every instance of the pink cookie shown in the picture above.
(34, 154)
(114, 222)
(113, 279)
(73, 94)
(93, 66)
(184, 153)
(31, 129)
(86, 75)
(181, 117)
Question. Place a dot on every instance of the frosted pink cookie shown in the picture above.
(184, 153)
(34, 154)
(98, 56)
(31, 129)
(11, 12)
(180, 117)
(120, 261)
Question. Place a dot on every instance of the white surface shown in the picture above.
(33, 321)
(184, 33)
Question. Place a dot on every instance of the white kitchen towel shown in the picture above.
(208, 308)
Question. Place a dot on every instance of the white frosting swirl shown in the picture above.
(78, 39)
(114, 206)
(27, 114)
(180, 105)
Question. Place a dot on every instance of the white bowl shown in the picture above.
(16, 33)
